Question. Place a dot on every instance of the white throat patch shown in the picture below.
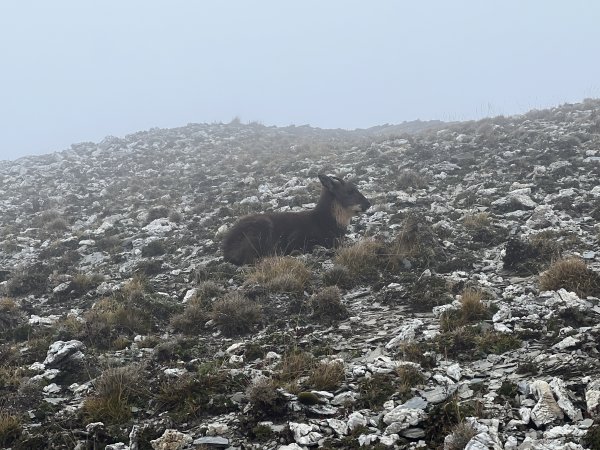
(343, 215)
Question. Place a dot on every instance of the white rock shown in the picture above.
(160, 226)
(171, 440)
(565, 403)
(525, 414)
(117, 446)
(401, 418)
(236, 359)
(339, 426)
(511, 443)
(502, 328)
(52, 388)
(454, 372)
(175, 372)
(216, 429)
(355, 420)
(389, 440)
(482, 441)
(189, 294)
(305, 434)
(564, 431)
(592, 397)
(292, 446)
(343, 398)
(272, 356)
(222, 230)
(406, 333)
(37, 320)
(60, 351)
(234, 347)
(568, 342)
(546, 410)
(367, 439)
(37, 367)
(502, 314)
(251, 199)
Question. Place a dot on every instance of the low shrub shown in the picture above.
(362, 259)
(573, 275)
(115, 391)
(236, 314)
(460, 436)
(265, 398)
(295, 365)
(280, 274)
(327, 305)
(10, 429)
(327, 376)
(338, 276)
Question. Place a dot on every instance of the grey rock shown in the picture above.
(305, 434)
(547, 409)
(60, 352)
(212, 441)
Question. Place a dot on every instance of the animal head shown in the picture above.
(345, 193)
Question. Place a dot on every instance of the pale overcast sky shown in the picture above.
(78, 70)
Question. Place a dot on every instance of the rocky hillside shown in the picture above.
(463, 310)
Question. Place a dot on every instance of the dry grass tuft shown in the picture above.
(110, 318)
(8, 306)
(135, 288)
(10, 429)
(197, 310)
(338, 276)
(327, 376)
(361, 258)
(472, 309)
(327, 305)
(414, 352)
(295, 365)
(410, 179)
(573, 275)
(11, 377)
(415, 241)
(548, 243)
(192, 319)
(9, 313)
(462, 433)
(115, 390)
(82, 283)
(236, 314)
(409, 376)
(264, 396)
(206, 291)
(477, 221)
(280, 274)
(471, 306)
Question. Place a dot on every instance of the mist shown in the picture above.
(78, 71)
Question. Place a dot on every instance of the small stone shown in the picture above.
(172, 440)
(454, 372)
(214, 441)
(52, 388)
(355, 420)
(338, 426)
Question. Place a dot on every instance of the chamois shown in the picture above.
(258, 235)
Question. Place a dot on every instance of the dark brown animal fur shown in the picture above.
(255, 236)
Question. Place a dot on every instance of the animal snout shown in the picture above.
(366, 204)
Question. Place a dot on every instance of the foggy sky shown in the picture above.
(74, 70)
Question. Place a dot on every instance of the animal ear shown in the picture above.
(326, 181)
